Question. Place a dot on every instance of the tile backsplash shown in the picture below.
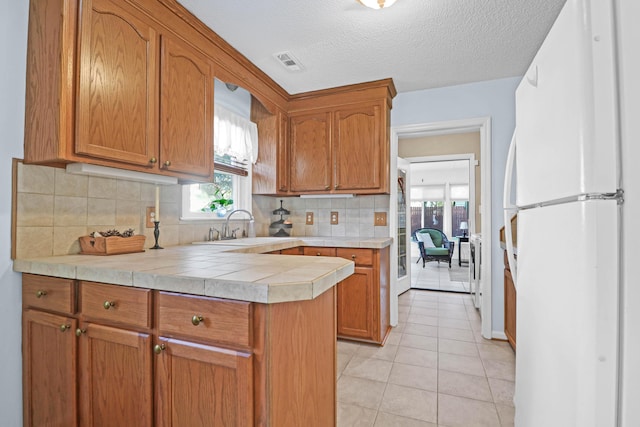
(355, 215)
(54, 208)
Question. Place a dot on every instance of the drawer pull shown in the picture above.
(196, 320)
(80, 332)
(41, 293)
(353, 256)
(108, 304)
(153, 160)
(64, 328)
(317, 253)
(167, 164)
(159, 348)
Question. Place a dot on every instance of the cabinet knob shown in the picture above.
(153, 160)
(326, 187)
(159, 348)
(335, 187)
(317, 253)
(64, 328)
(353, 256)
(167, 164)
(108, 304)
(80, 332)
(40, 294)
(196, 320)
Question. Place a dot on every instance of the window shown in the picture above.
(195, 197)
(236, 145)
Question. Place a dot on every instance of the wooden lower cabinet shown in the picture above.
(202, 385)
(509, 305)
(363, 298)
(115, 376)
(49, 349)
(172, 359)
(355, 305)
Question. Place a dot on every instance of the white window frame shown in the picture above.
(241, 199)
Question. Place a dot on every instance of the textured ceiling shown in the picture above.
(421, 44)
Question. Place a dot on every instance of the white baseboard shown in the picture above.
(499, 335)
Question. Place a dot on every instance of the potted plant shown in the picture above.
(220, 204)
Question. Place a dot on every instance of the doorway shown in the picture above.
(442, 198)
(482, 217)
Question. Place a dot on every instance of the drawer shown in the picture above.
(49, 293)
(358, 255)
(292, 251)
(116, 304)
(205, 319)
(319, 251)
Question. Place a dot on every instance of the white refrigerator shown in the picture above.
(569, 195)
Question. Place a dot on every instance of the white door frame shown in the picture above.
(483, 126)
(403, 283)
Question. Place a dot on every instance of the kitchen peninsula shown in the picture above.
(212, 334)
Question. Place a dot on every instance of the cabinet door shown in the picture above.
(202, 385)
(356, 305)
(358, 148)
(49, 369)
(115, 377)
(310, 163)
(186, 109)
(282, 165)
(117, 91)
(509, 308)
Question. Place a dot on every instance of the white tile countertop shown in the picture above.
(233, 269)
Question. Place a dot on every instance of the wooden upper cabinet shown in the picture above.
(117, 91)
(339, 139)
(186, 109)
(310, 149)
(270, 173)
(358, 148)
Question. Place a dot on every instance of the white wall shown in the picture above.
(13, 36)
(496, 99)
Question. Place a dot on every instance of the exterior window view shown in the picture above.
(227, 213)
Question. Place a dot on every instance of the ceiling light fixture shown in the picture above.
(377, 4)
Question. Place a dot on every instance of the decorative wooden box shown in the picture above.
(111, 245)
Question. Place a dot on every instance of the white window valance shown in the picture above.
(234, 135)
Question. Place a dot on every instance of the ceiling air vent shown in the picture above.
(288, 61)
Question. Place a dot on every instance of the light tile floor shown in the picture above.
(435, 370)
(435, 275)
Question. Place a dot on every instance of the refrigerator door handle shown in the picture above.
(510, 208)
(532, 76)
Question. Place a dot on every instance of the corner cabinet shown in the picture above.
(114, 88)
(339, 140)
(362, 302)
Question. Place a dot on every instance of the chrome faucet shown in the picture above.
(226, 234)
